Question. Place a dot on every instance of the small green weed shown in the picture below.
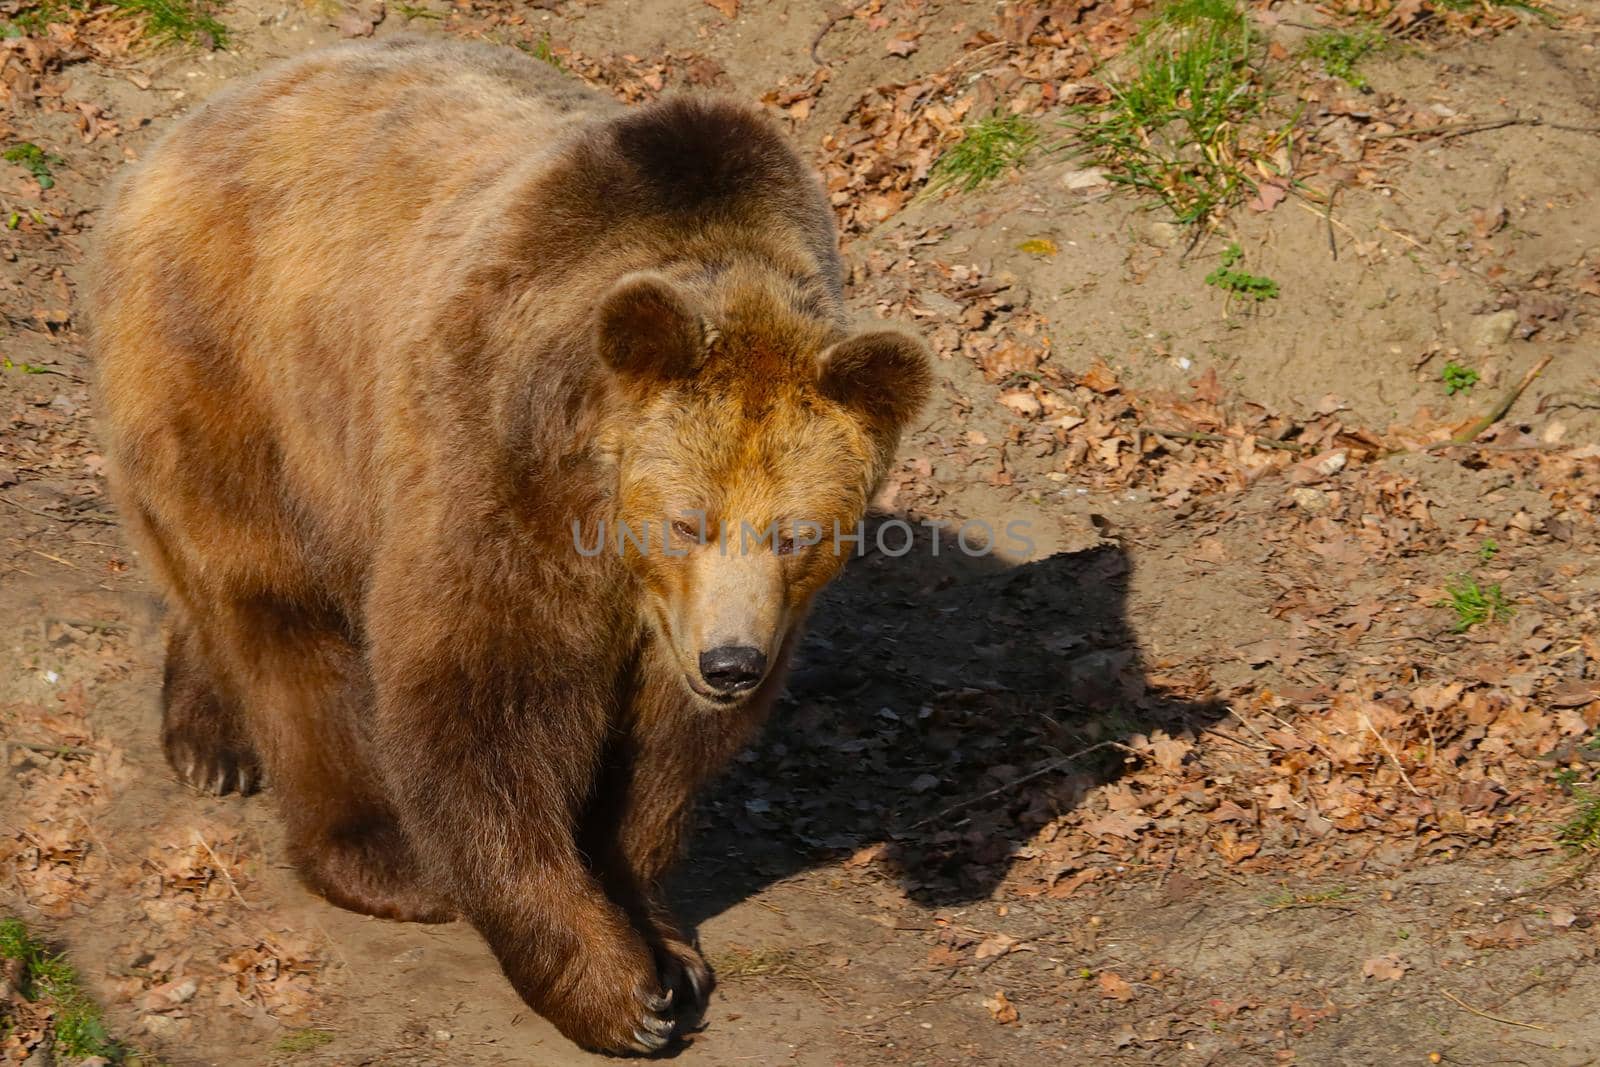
(1181, 125)
(542, 50)
(1288, 898)
(26, 368)
(1475, 604)
(1341, 51)
(1238, 282)
(1581, 833)
(414, 11)
(1458, 379)
(79, 1030)
(307, 1040)
(1487, 550)
(987, 149)
(35, 160)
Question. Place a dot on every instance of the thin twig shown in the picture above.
(1190, 435)
(827, 25)
(1572, 877)
(1251, 727)
(1030, 776)
(1422, 132)
(53, 750)
(57, 518)
(1390, 753)
(1333, 245)
(222, 869)
(1492, 1018)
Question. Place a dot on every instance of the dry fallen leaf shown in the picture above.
(997, 945)
(902, 45)
(726, 8)
(1388, 968)
(1116, 987)
(1022, 402)
(1002, 1009)
(1268, 196)
(1099, 378)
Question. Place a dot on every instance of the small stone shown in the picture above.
(1165, 234)
(1092, 178)
(1492, 331)
(1307, 499)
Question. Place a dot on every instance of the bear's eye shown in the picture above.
(785, 546)
(686, 529)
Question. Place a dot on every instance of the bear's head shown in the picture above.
(751, 433)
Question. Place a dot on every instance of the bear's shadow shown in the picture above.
(928, 686)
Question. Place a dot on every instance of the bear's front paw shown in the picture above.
(615, 1005)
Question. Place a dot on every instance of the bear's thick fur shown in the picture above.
(386, 339)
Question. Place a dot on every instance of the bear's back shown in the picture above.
(397, 246)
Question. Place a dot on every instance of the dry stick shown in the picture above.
(56, 750)
(222, 869)
(1030, 776)
(57, 518)
(1390, 753)
(827, 25)
(1333, 245)
(1569, 398)
(1492, 1018)
(1572, 877)
(1187, 435)
(1498, 412)
(1420, 132)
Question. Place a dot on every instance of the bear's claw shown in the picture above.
(656, 1028)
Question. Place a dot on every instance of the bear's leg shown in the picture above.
(637, 829)
(491, 747)
(202, 728)
(304, 689)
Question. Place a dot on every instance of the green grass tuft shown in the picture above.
(987, 149)
(1581, 833)
(181, 21)
(1524, 6)
(79, 1029)
(1238, 282)
(308, 1040)
(415, 11)
(1475, 605)
(36, 18)
(542, 50)
(1177, 125)
(1340, 52)
(176, 21)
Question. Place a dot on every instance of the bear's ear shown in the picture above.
(883, 374)
(648, 331)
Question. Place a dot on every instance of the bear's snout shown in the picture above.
(733, 668)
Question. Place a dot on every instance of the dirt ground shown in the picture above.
(1205, 775)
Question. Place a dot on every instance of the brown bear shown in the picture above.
(430, 382)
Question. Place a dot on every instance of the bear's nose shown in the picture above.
(733, 668)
